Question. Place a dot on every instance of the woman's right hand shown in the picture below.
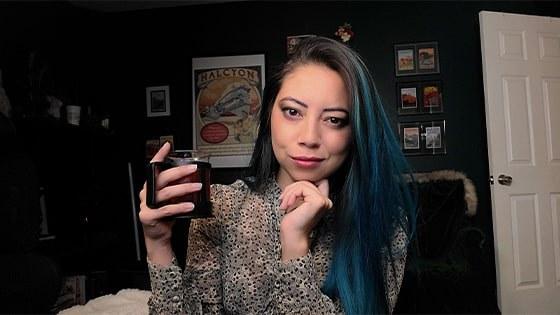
(157, 223)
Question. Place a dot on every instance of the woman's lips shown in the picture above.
(307, 161)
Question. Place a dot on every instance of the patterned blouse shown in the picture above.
(234, 262)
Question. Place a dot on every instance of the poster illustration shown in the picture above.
(227, 95)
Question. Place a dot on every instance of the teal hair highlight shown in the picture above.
(375, 201)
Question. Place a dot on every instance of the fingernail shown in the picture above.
(192, 167)
(197, 185)
(189, 206)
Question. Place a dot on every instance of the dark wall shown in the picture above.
(154, 47)
(105, 61)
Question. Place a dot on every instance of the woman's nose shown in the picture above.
(309, 133)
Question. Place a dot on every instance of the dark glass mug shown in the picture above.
(201, 199)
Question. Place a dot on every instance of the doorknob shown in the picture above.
(505, 180)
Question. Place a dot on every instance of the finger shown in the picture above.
(295, 191)
(323, 186)
(142, 193)
(162, 153)
(296, 204)
(174, 174)
(170, 192)
(150, 216)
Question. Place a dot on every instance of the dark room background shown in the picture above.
(103, 61)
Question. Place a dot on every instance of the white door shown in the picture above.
(521, 69)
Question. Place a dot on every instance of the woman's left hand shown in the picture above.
(305, 204)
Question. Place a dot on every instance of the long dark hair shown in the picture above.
(372, 196)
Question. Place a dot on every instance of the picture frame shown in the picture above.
(423, 138)
(434, 137)
(410, 138)
(405, 59)
(227, 95)
(157, 101)
(416, 58)
(408, 98)
(428, 57)
(432, 97)
(167, 138)
(293, 41)
(415, 98)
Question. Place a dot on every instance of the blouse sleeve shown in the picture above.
(197, 290)
(394, 271)
(297, 289)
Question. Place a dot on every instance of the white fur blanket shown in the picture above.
(125, 302)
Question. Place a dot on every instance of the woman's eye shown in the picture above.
(290, 112)
(338, 122)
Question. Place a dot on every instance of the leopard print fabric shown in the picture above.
(234, 262)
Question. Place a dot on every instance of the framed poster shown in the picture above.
(157, 101)
(416, 58)
(419, 98)
(432, 100)
(428, 57)
(408, 98)
(405, 59)
(434, 137)
(227, 95)
(423, 137)
(410, 138)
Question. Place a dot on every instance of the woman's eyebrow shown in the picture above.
(295, 100)
(329, 109)
(336, 109)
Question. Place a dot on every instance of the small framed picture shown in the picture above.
(432, 97)
(434, 137)
(419, 98)
(410, 134)
(157, 101)
(408, 96)
(428, 57)
(423, 137)
(168, 138)
(293, 41)
(405, 60)
(416, 58)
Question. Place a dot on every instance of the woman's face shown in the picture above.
(310, 124)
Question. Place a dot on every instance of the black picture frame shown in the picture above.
(423, 137)
(414, 98)
(431, 97)
(405, 59)
(410, 138)
(416, 58)
(427, 55)
(408, 98)
(434, 139)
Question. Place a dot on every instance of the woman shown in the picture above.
(320, 225)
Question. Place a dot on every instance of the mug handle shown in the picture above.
(151, 184)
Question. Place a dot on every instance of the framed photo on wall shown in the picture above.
(419, 98)
(410, 138)
(405, 59)
(423, 137)
(428, 57)
(227, 95)
(416, 58)
(434, 137)
(157, 101)
(432, 99)
(408, 98)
